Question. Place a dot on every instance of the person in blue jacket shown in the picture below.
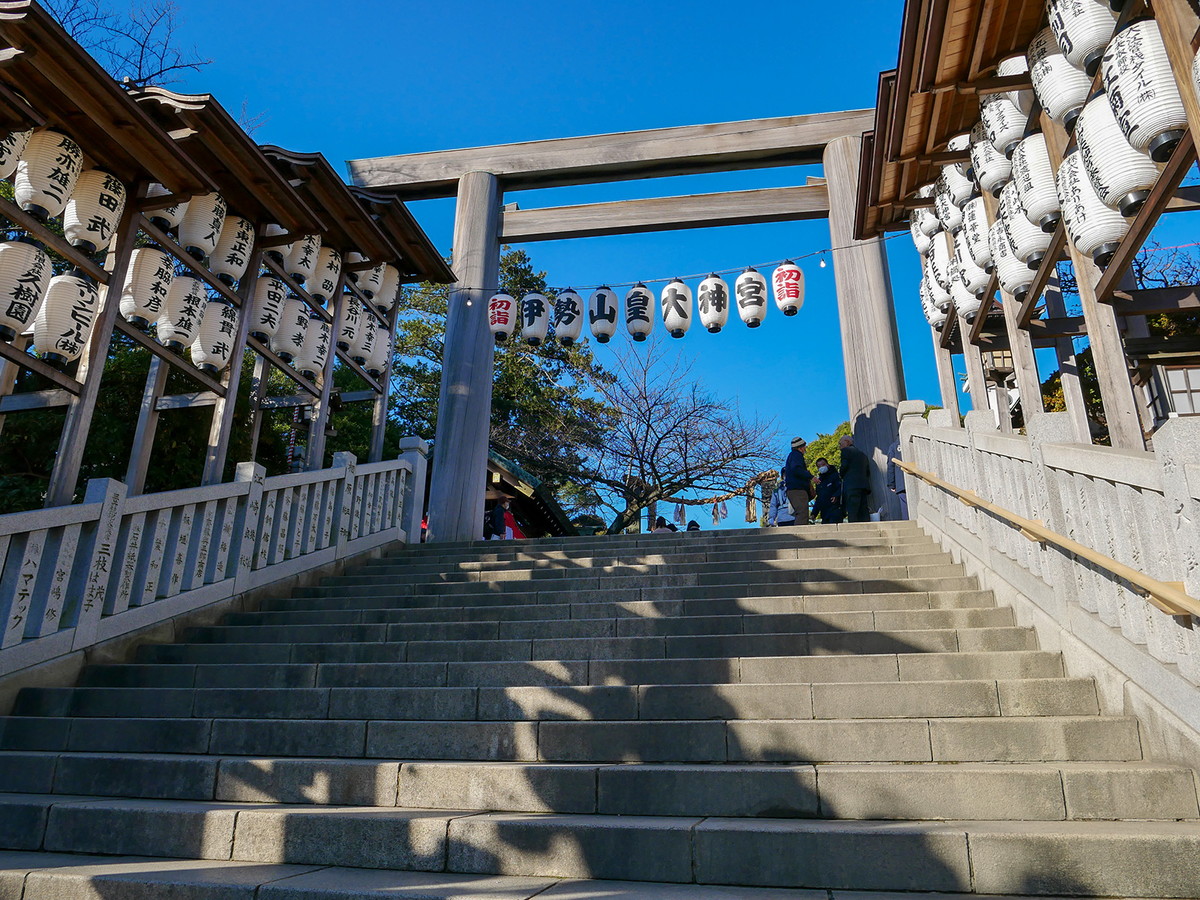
(798, 480)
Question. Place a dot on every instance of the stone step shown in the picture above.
(895, 667)
(990, 739)
(927, 791)
(986, 857)
(867, 700)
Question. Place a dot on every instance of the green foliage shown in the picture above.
(826, 445)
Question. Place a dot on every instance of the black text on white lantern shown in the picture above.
(992, 168)
(389, 289)
(1034, 179)
(1017, 65)
(179, 319)
(1029, 242)
(91, 217)
(957, 184)
(1121, 175)
(939, 260)
(301, 260)
(975, 231)
(602, 314)
(288, 339)
(278, 252)
(973, 276)
(966, 303)
(320, 332)
(147, 284)
(381, 351)
(1004, 123)
(25, 273)
(325, 278)
(568, 317)
(751, 291)
(305, 353)
(1015, 277)
(676, 302)
(921, 240)
(46, 174)
(788, 283)
(1142, 91)
(168, 217)
(535, 318)
(934, 316)
(925, 216)
(64, 324)
(713, 300)
(214, 343)
(270, 294)
(368, 333)
(352, 324)
(12, 145)
(637, 311)
(201, 226)
(1082, 29)
(940, 294)
(370, 281)
(947, 212)
(1061, 88)
(229, 259)
(1094, 228)
(502, 316)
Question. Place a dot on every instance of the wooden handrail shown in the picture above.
(1170, 597)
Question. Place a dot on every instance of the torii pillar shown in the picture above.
(870, 343)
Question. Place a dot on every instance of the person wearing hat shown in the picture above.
(798, 480)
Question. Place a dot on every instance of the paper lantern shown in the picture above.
(270, 294)
(12, 145)
(1196, 70)
(169, 217)
(288, 339)
(1017, 65)
(1094, 228)
(934, 316)
(1015, 277)
(961, 143)
(975, 232)
(25, 273)
(1142, 91)
(637, 311)
(602, 313)
(1003, 122)
(279, 252)
(992, 168)
(927, 219)
(939, 260)
(389, 289)
(966, 302)
(215, 338)
(1033, 177)
(940, 295)
(229, 259)
(352, 324)
(200, 229)
(64, 323)
(975, 277)
(957, 185)
(751, 291)
(713, 299)
(788, 283)
(921, 240)
(381, 352)
(1082, 29)
(301, 260)
(147, 284)
(1029, 242)
(502, 316)
(369, 281)
(1061, 88)
(675, 300)
(1121, 175)
(308, 356)
(535, 318)
(91, 217)
(325, 279)
(568, 317)
(179, 319)
(368, 334)
(949, 215)
(47, 173)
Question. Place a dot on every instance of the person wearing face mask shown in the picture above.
(829, 493)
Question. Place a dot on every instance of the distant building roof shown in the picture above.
(533, 504)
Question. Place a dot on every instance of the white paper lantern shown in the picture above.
(1082, 29)
(25, 273)
(940, 295)
(368, 334)
(91, 217)
(966, 302)
(1061, 88)
(502, 316)
(389, 289)
(602, 313)
(147, 284)
(47, 173)
(352, 324)
(200, 229)
(167, 218)
(939, 260)
(179, 319)
(270, 294)
(214, 343)
(279, 252)
(713, 300)
(992, 168)
(788, 283)
(934, 316)
(308, 357)
(675, 299)
(638, 319)
(1003, 122)
(1142, 91)
(301, 260)
(325, 279)
(1015, 277)
(64, 323)
(1121, 175)
(229, 259)
(369, 281)
(12, 145)
(1034, 179)
(1095, 229)
(921, 240)
(535, 318)
(926, 216)
(1196, 70)
(948, 214)
(975, 231)
(751, 291)
(975, 277)
(288, 339)
(1017, 65)
(381, 352)
(961, 143)
(1029, 242)
(568, 317)
(957, 186)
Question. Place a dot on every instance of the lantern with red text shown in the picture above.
(502, 316)
(788, 282)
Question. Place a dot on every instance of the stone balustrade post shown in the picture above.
(1043, 429)
(910, 413)
(345, 529)
(415, 452)
(111, 494)
(245, 528)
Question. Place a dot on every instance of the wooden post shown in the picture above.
(258, 393)
(464, 405)
(945, 372)
(147, 425)
(379, 413)
(976, 379)
(1068, 369)
(10, 370)
(870, 345)
(321, 411)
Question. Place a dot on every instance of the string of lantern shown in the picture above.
(1122, 134)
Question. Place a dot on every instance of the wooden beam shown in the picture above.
(40, 366)
(187, 401)
(356, 396)
(147, 426)
(33, 400)
(158, 350)
(788, 204)
(287, 402)
(656, 153)
(1157, 300)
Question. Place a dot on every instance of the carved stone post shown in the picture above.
(416, 452)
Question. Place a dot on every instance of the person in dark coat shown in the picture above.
(895, 479)
(829, 494)
(856, 481)
(798, 481)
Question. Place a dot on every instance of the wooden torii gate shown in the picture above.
(479, 176)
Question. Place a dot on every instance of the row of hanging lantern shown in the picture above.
(1123, 133)
(536, 313)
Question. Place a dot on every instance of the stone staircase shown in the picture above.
(796, 713)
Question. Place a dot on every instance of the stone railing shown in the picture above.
(1141, 509)
(74, 576)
